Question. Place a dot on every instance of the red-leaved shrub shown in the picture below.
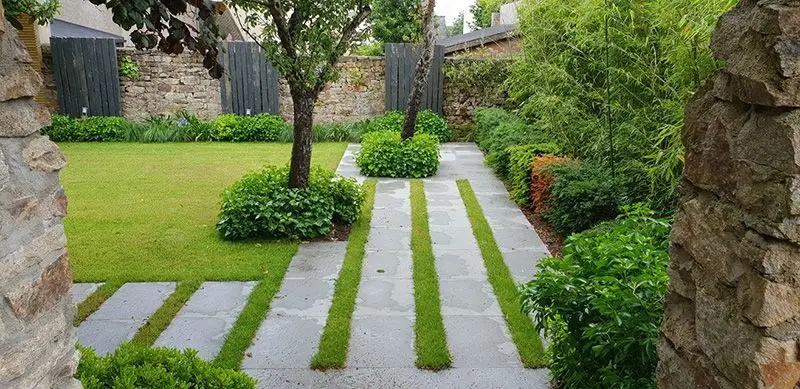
(541, 181)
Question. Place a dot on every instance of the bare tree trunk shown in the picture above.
(423, 69)
(300, 169)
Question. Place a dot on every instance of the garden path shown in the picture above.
(381, 351)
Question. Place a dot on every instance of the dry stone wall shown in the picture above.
(732, 315)
(37, 340)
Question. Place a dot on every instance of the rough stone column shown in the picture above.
(37, 340)
(733, 308)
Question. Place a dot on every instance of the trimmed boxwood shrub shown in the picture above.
(133, 366)
(601, 304)
(91, 129)
(519, 169)
(384, 154)
(427, 122)
(262, 206)
(256, 128)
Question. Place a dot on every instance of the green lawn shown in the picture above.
(146, 212)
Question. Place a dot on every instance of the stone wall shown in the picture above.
(470, 84)
(357, 94)
(170, 83)
(37, 340)
(732, 314)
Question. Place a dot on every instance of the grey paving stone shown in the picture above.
(207, 317)
(455, 238)
(448, 217)
(385, 297)
(518, 238)
(393, 378)
(391, 218)
(491, 202)
(315, 262)
(468, 297)
(396, 239)
(506, 218)
(285, 342)
(481, 341)
(121, 316)
(387, 264)
(382, 341)
(460, 264)
(522, 263)
(304, 297)
(83, 290)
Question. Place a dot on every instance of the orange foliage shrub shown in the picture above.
(541, 181)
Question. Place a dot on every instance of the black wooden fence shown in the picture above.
(401, 61)
(86, 76)
(250, 83)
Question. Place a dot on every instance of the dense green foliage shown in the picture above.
(384, 154)
(39, 12)
(395, 21)
(657, 54)
(256, 128)
(133, 366)
(519, 168)
(482, 11)
(497, 132)
(262, 206)
(457, 28)
(601, 304)
(91, 129)
(427, 122)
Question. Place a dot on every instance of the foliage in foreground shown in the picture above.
(601, 304)
(384, 154)
(428, 122)
(262, 206)
(133, 366)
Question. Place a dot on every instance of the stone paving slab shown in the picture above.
(385, 297)
(480, 342)
(522, 263)
(382, 341)
(387, 264)
(83, 290)
(207, 317)
(289, 336)
(393, 378)
(121, 316)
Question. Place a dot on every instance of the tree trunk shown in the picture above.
(422, 71)
(300, 169)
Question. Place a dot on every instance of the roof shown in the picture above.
(62, 29)
(477, 38)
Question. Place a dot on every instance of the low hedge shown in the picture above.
(601, 304)
(541, 180)
(384, 154)
(143, 367)
(428, 122)
(261, 205)
(255, 128)
(519, 168)
(91, 129)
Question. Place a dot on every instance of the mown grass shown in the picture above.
(523, 332)
(431, 339)
(158, 322)
(95, 300)
(147, 212)
(335, 340)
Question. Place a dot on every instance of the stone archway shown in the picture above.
(37, 341)
(732, 315)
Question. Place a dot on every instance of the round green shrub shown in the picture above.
(261, 205)
(91, 129)
(133, 366)
(256, 128)
(427, 122)
(224, 126)
(384, 154)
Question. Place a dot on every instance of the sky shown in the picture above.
(451, 8)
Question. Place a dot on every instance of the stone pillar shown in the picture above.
(732, 315)
(37, 340)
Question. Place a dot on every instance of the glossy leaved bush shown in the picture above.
(262, 206)
(384, 154)
(427, 122)
(601, 304)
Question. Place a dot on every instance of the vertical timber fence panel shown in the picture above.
(86, 75)
(401, 63)
(250, 83)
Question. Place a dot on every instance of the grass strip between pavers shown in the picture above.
(158, 321)
(431, 339)
(335, 340)
(524, 334)
(95, 300)
(255, 311)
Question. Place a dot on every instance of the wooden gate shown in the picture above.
(401, 62)
(86, 75)
(250, 83)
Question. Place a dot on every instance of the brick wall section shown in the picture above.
(37, 340)
(173, 82)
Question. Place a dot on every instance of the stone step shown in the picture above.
(83, 290)
(121, 316)
(207, 317)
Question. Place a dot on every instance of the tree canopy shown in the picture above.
(396, 21)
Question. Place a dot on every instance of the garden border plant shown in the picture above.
(384, 154)
(523, 332)
(335, 340)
